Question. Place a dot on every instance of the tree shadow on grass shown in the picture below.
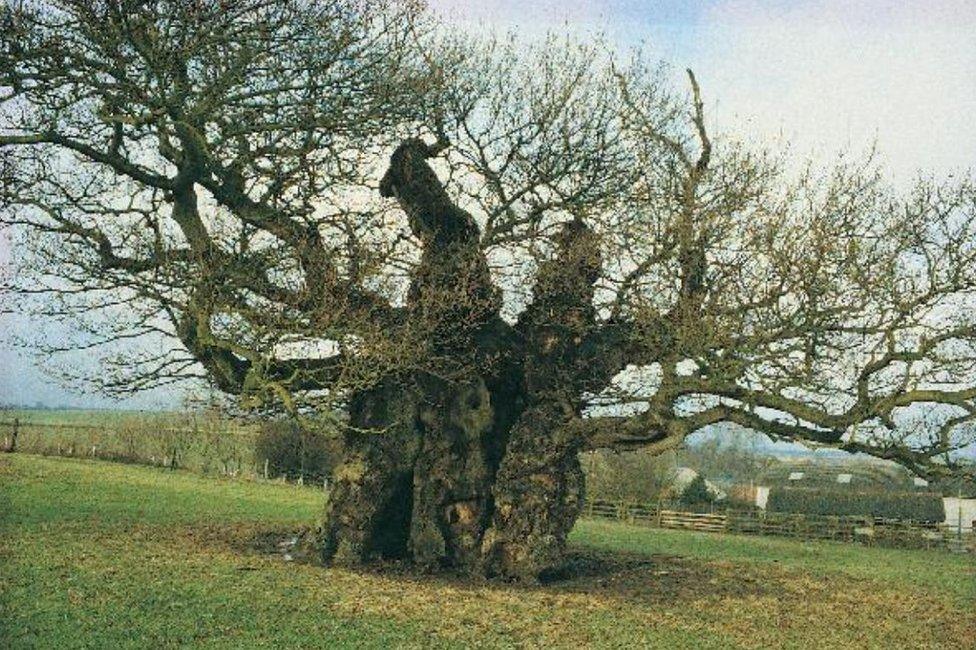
(653, 579)
(634, 577)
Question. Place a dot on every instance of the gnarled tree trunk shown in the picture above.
(472, 465)
(368, 512)
(538, 495)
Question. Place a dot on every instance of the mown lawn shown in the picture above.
(94, 554)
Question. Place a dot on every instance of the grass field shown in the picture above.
(88, 417)
(102, 555)
(201, 441)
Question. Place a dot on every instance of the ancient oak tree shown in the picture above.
(489, 255)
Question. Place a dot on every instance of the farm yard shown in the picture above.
(99, 554)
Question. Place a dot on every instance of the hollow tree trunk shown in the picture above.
(367, 515)
(432, 491)
(420, 487)
(471, 465)
(451, 485)
(538, 491)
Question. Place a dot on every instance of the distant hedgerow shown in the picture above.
(915, 506)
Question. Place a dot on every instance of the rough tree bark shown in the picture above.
(538, 491)
(369, 504)
(468, 464)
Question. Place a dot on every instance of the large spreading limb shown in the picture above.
(184, 154)
(799, 313)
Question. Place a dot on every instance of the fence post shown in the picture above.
(265, 469)
(958, 501)
(13, 440)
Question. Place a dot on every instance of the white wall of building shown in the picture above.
(762, 496)
(956, 509)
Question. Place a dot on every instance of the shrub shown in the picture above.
(635, 476)
(696, 493)
(294, 452)
(915, 506)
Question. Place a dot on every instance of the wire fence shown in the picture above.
(208, 446)
(205, 445)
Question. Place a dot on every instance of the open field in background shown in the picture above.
(200, 441)
(98, 554)
(91, 417)
(208, 443)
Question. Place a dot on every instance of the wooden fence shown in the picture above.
(227, 449)
(866, 530)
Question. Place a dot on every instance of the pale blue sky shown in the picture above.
(823, 74)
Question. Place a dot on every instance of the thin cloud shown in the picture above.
(828, 77)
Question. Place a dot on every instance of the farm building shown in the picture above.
(866, 488)
(867, 474)
(960, 514)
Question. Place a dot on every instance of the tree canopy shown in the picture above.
(308, 202)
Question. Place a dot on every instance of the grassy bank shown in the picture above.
(107, 555)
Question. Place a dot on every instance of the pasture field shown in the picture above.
(104, 555)
(198, 440)
(90, 417)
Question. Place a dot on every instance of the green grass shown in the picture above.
(102, 555)
(932, 571)
(87, 417)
